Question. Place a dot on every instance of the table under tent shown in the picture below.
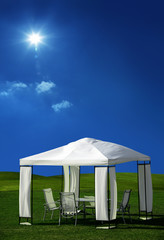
(104, 156)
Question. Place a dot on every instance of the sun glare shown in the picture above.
(35, 38)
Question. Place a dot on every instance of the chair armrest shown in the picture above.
(119, 205)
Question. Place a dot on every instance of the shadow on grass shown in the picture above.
(69, 221)
(156, 223)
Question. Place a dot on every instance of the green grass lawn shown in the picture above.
(137, 230)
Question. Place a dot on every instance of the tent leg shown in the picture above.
(145, 188)
(45, 210)
(138, 191)
(32, 196)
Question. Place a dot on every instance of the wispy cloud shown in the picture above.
(31, 91)
(45, 86)
(62, 105)
(12, 87)
(18, 85)
(4, 93)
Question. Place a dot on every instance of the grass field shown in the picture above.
(137, 230)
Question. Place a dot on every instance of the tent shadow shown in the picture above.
(155, 223)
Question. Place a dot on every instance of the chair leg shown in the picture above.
(84, 210)
(123, 217)
(130, 216)
(45, 210)
(59, 218)
(52, 214)
(93, 211)
(75, 219)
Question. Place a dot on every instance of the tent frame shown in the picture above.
(110, 221)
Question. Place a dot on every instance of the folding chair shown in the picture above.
(50, 204)
(124, 206)
(68, 207)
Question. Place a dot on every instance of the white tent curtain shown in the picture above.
(74, 180)
(145, 180)
(25, 192)
(113, 193)
(101, 193)
(66, 178)
(141, 182)
(149, 188)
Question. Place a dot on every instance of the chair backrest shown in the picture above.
(68, 203)
(49, 198)
(126, 198)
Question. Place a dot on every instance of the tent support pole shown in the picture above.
(108, 196)
(79, 181)
(138, 190)
(152, 206)
(145, 189)
(19, 190)
(31, 194)
(62, 179)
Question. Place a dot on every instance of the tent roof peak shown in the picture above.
(86, 152)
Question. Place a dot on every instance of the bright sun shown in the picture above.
(35, 38)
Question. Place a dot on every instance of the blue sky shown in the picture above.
(98, 73)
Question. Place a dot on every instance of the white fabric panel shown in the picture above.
(25, 192)
(86, 152)
(113, 193)
(101, 193)
(141, 179)
(74, 180)
(66, 178)
(149, 188)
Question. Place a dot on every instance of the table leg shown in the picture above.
(84, 209)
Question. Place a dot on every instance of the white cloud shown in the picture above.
(11, 87)
(62, 105)
(44, 86)
(18, 85)
(16, 89)
(4, 93)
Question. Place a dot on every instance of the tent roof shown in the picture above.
(86, 152)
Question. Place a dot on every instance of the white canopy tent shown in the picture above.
(84, 152)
